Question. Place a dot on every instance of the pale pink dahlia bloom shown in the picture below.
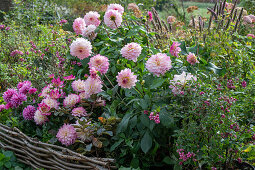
(79, 112)
(79, 25)
(92, 18)
(44, 109)
(89, 32)
(92, 86)
(131, 51)
(112, 19)
(192, 59)
(100, 63)
(175, 49)
(39, 118)
(158, 64)
(116, 7)
(126, 78)
(52, 103)
(67, 134)
(78, 85)
(29, 112)
(81, 48)
(71, 100)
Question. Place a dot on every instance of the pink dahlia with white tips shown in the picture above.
(79, 112)
(71, 100)
(46, 90)
(92, 86)
(175, 49)
(100, 63)
(81, 48)
(39, 118)
(29, 112)
(92, 18)
(79, 25)
(67, 135)
(131, 51)
(126, 78)
(159, 64)
(192, 59)
(52, 103)
(112, 19)
(78, 85)
(116, 7)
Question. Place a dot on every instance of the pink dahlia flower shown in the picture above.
(159, 64)
(251, 35)
(71, 77)
(46, 90)
(2, 107)
(81, 48)
(67, 135)
(252, 18)
(126, 78)
(116, 7)
(131, 51)
(52, 103)
(79, 112)
(44, 109)
(247, 20)
(79, 25)
(171, 19)
(93, 73)
(92, 86)
(8, 95)
(100, 63)
(71, 100)
(17, 99)
(175, 49)
(89, 32)
(192, 59)
(39, 118)
(112, 19)
(25, 87)
(150, 16)
(78, 85)
(29, 112)
(32, 91)
(92, 18)
(55, 93)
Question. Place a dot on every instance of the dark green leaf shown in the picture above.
(146, 142)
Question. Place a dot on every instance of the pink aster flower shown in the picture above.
(126, 78)
(79, 25)
(131, 51)
(159, 64)
(67, 135)
(17, 99)
(79, 112)
(192, 59)
(150, 16)
(16, 52)
(8, 95)
(100, 63)
(81, 48)
(92, 18)
(52, 103)
(112, 19)
(71, 100)
(175, 49)
(29, 112)
(39, 118)
(2, 107)
(92, 86)
(2, 27)
(116, 7)
(78, 85)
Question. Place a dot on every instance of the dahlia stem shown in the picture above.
(139, 92)
(112, 86)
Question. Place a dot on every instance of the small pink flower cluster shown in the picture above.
(230, 84)
(6, 28)
(63, 21)
(150, 15)
(184, 157)
(152, 116)
(228, 101)
(235, 126)
(16, 52)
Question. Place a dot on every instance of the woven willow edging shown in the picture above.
(43, 155)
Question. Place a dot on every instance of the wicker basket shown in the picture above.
(43, 155)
